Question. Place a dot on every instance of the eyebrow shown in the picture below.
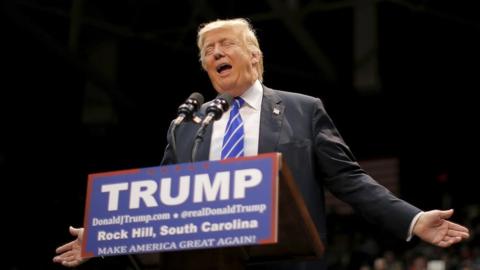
(220, 41)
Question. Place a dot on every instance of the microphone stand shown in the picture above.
(198, 139)
(174, 143)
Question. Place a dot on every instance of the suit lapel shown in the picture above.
(271, 120)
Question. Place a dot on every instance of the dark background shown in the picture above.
(91, 86)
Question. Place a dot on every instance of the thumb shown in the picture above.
(446, 214)
(74, 231)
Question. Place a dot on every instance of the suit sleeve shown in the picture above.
(344, 177)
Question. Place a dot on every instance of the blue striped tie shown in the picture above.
(233, 145)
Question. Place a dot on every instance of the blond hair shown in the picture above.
(248, 38)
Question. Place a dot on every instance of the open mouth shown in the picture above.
(223, 67)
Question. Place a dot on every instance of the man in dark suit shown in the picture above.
(299, 127)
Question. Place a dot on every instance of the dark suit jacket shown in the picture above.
(316, 154)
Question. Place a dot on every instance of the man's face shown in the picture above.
(230, 66)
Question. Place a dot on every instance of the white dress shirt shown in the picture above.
(250, 113)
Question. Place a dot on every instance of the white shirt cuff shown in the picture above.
(412, 224)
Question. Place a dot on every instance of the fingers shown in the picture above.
(444, 244)
(453, 233)
(457, 227)
(455, 230)
(65, 255)
(61, 258)
(67, 246)
(448, 241)
(70, 262)
(69, 253)
(70, 258)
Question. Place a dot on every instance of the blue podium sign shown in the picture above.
(186, 206)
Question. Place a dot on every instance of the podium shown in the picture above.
(298, 239)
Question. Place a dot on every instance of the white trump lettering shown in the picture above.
(143, 190)
(244, 179)
(113, 194)
(166, 190)
(210, 190)
(204, 189)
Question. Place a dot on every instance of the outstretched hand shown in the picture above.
(434, 228)
(69, 254)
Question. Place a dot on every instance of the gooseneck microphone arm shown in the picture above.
(196, 143)
(173, 143)
(214, 111)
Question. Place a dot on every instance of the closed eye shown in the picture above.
(208, 50)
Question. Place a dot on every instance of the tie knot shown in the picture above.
(239, 102)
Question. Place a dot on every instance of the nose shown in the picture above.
(217, 52)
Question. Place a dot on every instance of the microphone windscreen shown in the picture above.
(198, 97)
(227, 97)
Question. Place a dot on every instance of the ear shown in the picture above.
(255, 58)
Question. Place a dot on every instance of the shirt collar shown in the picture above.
(253, 95)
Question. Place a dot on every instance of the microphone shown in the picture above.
(217, 108)
(214, 111)
(186, 110)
